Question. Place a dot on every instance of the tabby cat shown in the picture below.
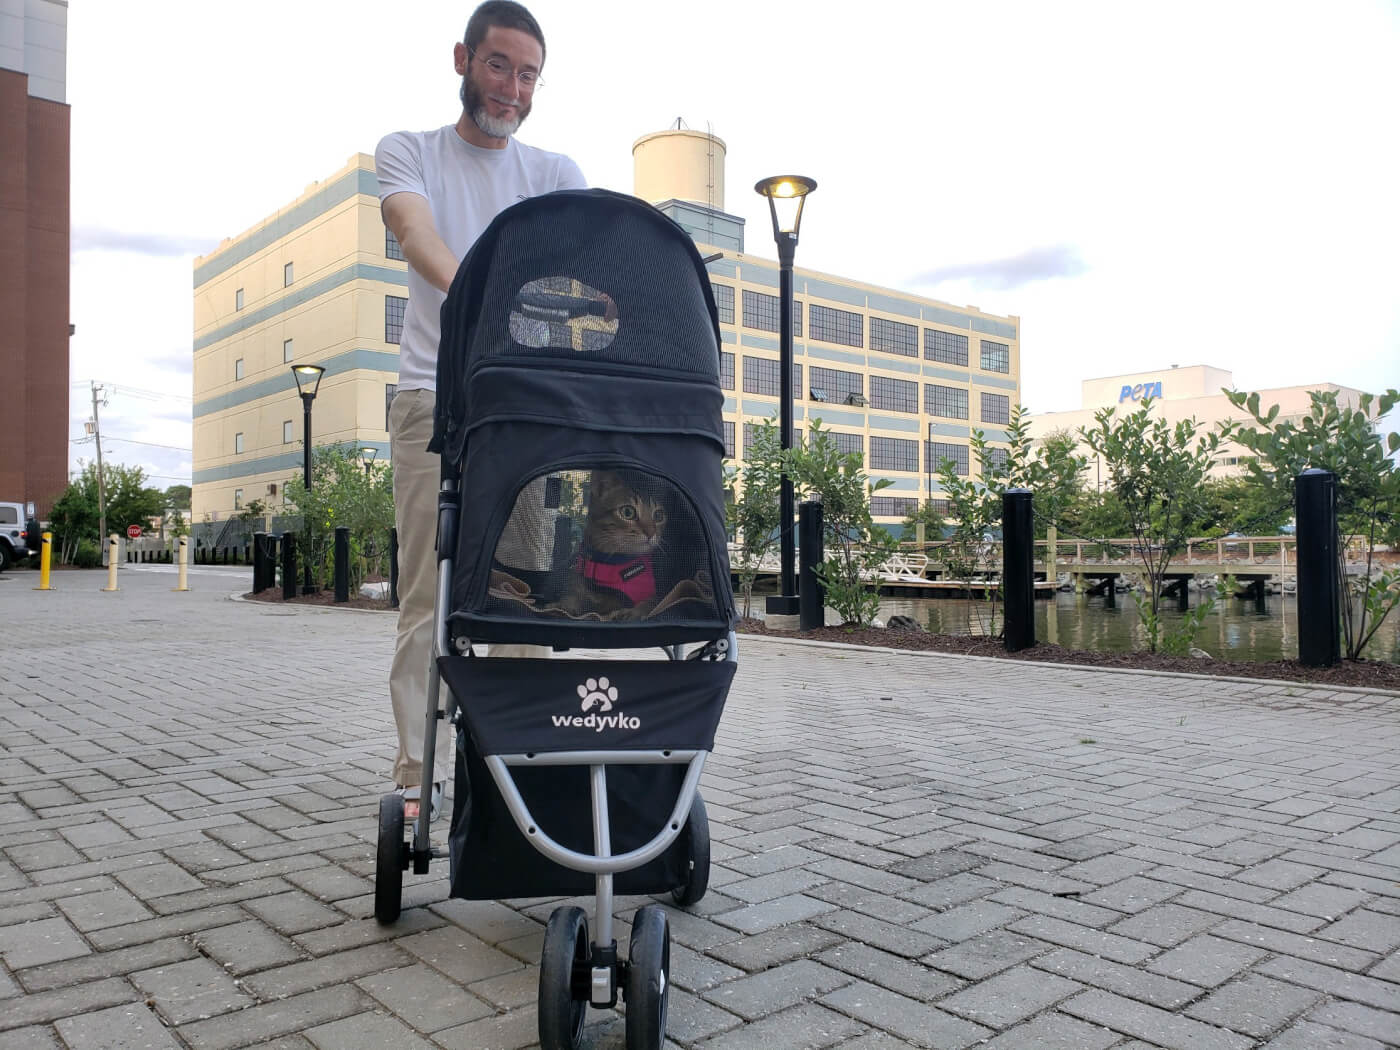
(614, 576)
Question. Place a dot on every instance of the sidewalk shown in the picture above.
(910, 850)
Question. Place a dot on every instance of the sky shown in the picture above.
(1141, 184)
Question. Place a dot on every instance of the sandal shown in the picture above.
(414, 793)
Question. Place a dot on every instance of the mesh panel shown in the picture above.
(604, 545)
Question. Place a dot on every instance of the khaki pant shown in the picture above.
(417, 476)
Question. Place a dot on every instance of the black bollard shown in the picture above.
(811, 595)
(393, 568)
(1018, 569)
(259, 562)
(289, 566)
(342, 563)
(1319, 583)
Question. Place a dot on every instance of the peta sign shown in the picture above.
(1140, 391)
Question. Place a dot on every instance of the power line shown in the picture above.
(152, 444)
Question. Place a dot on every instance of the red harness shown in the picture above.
(630, 575)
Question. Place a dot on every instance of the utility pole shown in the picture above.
(101, 481)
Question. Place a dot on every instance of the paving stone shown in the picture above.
(775, 947)
(692, 1020)
(805, 1027)
(157, 880)
(424, 999)
(890, 971)
(99, 911)
(756, 918)
(1009, 997)
(1365, 929)
(245, 947)
(1313, 949)
(129, 1027)
(1159, 1027)
(1124, 980)
(951, 891)
(1131, 895)
(191, 990)
(170, 926)
(30, 1039)
(778, 884)
(1383, 995)
(1165, 925)
(776, 989)
(339, 968)
(1071, 935)
(1321, 900)
(917, 1023)
(47, 1007)
(985, 955)
(968, 920)
(1054, 1031)
(39, 942)
(1205, 960)
(459, 955)
(897, 940)
(367, 1031)
(1280, 874)
(1358, 1020)
(292, 913)
(258, 1025)
(1254, 1005)
(1308, 1036)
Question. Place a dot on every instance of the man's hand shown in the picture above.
(411, 220)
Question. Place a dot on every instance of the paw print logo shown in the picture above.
(597, 691)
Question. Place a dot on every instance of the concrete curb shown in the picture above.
(239, 596)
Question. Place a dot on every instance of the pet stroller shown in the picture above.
(581, 507)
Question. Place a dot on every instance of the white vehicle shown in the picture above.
(19, 533)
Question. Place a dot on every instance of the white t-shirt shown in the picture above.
(466, 187)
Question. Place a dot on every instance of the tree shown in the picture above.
(1158, 473)
(75, 516)
(927, 515)
(856, 547)
(753, 515)
(343, 492)
(1241, 506)
(177, 497)
(1348, 443)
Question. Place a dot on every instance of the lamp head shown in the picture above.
(368, 453)
(786, 194)
(308, 379)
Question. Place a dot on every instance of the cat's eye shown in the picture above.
(627, 512)
(563, 313)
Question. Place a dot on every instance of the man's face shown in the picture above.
(498, 102)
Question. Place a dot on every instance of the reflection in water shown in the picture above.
(1235, 630)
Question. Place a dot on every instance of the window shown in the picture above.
(238, 443)
(894, 453)
(288, 353)
(728, 440)
(726, 370)
(894, 395)
(996, 408)
(287, 432)
(237, 499)
(948, 347)
(941, 506)
(287, 275)
(996, 357)
(835, 385)
(724, 302)
(750, 435)
(848, 442)
(238, 369)
(392, 248)
(947, 401)
(893, 506)
(836, 326)
(394, 306)
(763, 312)
(935, 452)
(894, 337)
(390, 389)
(760, 377)
(238, 299)
(996, 460)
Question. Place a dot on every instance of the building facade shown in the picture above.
(34, 243)
(1193, 392)
(899, 378)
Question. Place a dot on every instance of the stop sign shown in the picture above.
(133, 532)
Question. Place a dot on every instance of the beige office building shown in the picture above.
(1178, 393)
(899, 378)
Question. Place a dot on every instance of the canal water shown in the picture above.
(1234, 630)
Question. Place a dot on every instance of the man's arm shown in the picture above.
(411, 220)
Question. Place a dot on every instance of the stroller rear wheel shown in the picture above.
(566, 950)
(648, 979)
(390, 860)
(696, 836)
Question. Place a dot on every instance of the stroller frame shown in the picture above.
(601, 972)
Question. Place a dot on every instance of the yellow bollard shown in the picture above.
(45, 562)
(184, 558)
(111, 563)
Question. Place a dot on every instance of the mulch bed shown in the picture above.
(1368, 674)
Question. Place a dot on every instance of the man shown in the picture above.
(438, 191)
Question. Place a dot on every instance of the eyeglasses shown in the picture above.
(529, 79)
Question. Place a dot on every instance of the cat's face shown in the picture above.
(622, 518)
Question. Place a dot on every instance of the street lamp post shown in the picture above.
(367, 454)
(308, 379)
(786, 195)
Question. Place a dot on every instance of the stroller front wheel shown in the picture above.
(648, 979)
(566, 951)
(389, 860)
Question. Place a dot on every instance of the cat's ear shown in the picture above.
(602, 484)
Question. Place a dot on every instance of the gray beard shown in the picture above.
(503, 128)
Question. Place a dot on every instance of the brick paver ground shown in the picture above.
(910, 850)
